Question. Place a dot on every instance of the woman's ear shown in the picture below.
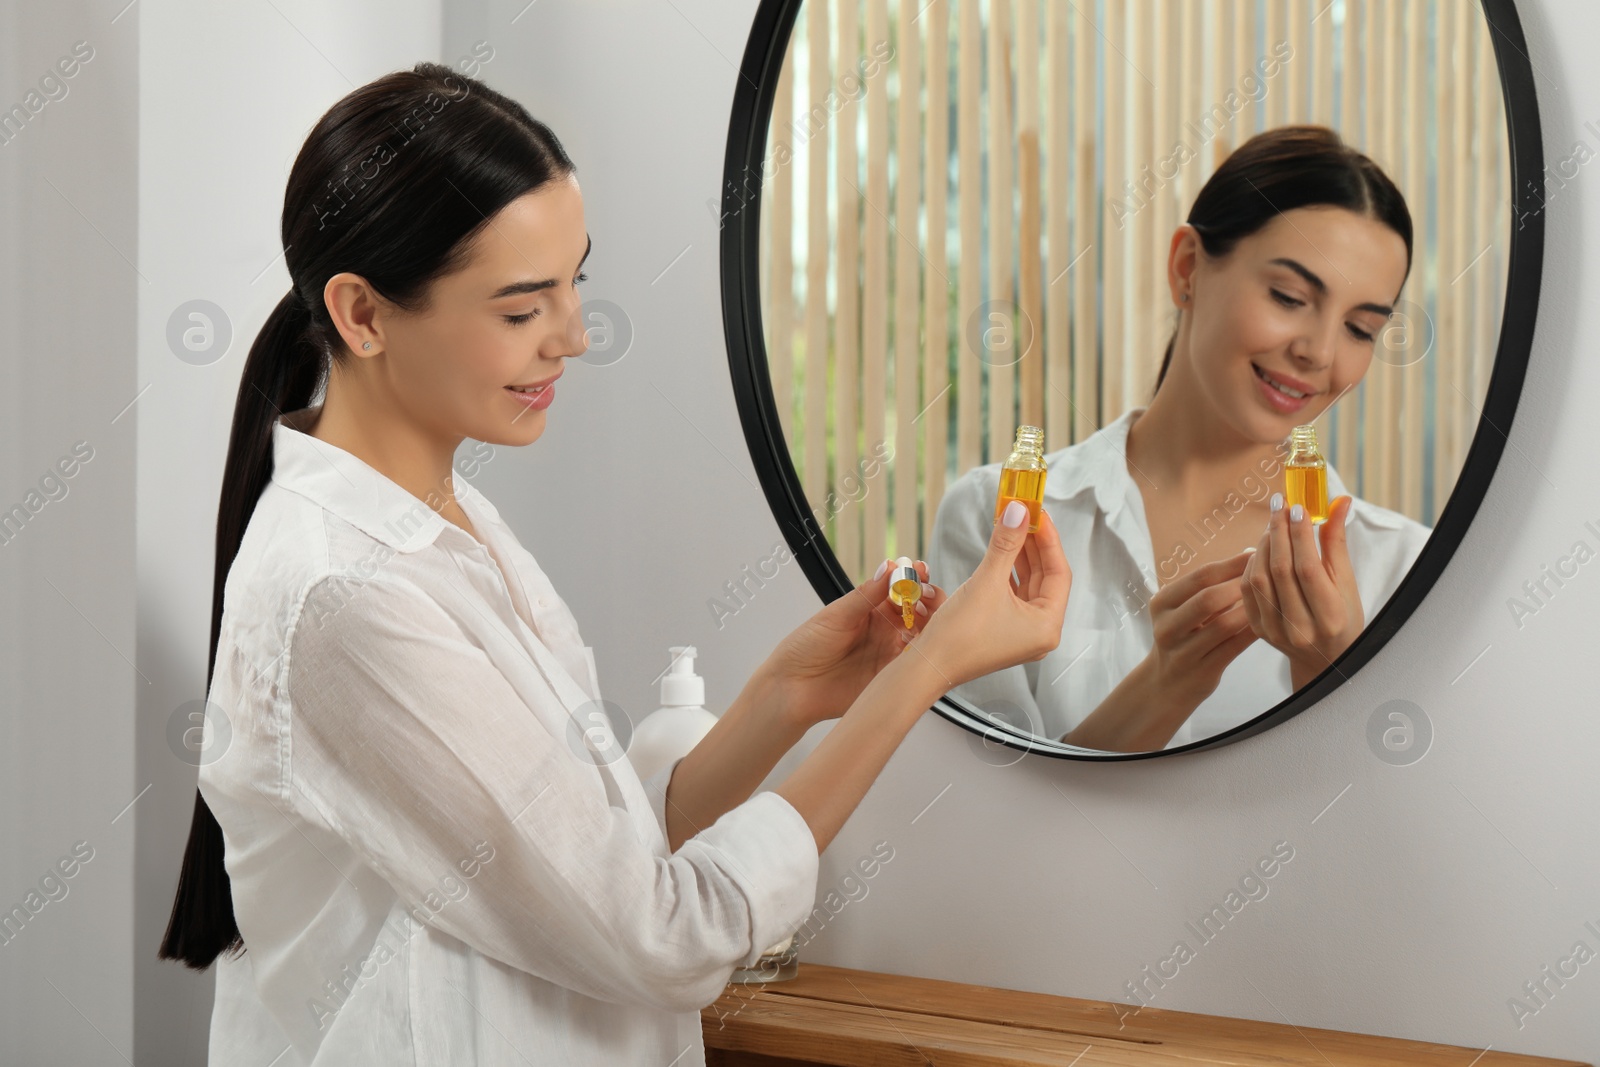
(353, 308)
(1182, 258)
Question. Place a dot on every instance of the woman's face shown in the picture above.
(510, 317)
(1297, 307)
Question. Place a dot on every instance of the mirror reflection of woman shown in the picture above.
(1201, 600)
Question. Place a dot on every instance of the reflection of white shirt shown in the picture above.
(429, 864)
(1099, 513)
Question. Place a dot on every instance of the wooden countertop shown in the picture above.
(850, 1018)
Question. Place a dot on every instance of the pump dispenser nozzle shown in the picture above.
(680, 686)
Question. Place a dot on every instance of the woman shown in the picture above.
(410, 829)
(1206, 601)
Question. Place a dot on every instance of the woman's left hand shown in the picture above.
(1303, 603)
(824, 665)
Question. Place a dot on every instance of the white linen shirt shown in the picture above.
(1099, 512)
(429, 864)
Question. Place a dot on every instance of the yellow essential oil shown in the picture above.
(905, 589)
(1305, 475)
(1022, 476)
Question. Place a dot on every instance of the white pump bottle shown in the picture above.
(669, 732)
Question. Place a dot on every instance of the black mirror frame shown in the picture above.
(747, 360)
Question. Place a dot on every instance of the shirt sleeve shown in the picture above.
(1384, 546)
(655, 787)
(962, 526)
(960, 537)
(412, 746)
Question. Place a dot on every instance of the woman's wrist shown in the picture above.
(778, 699)
(1304, 668)
(1142, 713)
(789, 699)
(918, 669)
(911, 681)
(935, 669)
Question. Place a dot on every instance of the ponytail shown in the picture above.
(393, 184)
(281, 374)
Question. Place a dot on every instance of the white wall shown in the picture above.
(1415, 906)
(68, 298)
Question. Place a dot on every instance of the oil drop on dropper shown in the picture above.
(905, 588)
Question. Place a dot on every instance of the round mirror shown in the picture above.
(1172, 261)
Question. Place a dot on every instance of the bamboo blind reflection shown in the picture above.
(968, 206)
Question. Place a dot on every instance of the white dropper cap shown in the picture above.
(905, 570)
(681, 687)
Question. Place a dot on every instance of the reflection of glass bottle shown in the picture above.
(1022, 476)
(1305, 475)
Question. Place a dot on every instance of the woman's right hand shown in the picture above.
(992, 620)
(987, 624)
(1200, 627)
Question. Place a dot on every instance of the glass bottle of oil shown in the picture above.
(1305, 475)
(1022, 476)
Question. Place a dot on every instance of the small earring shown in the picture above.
(1184, 298)
(369, 343)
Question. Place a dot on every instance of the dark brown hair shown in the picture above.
(393, 184)
(1283, 169)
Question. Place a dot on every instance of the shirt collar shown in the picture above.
(349, 488)
(1098, 463)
